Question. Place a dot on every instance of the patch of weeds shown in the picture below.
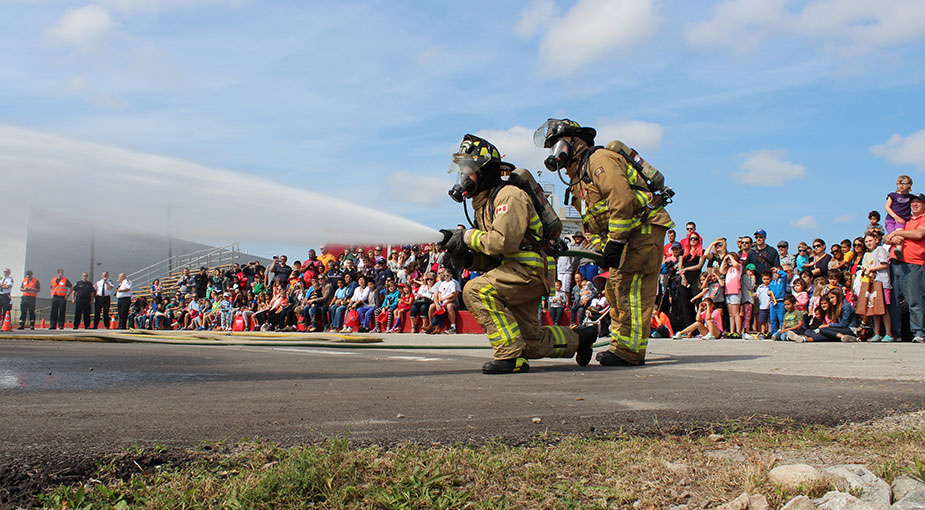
(917, 471)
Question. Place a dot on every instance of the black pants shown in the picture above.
(82, 311)
(27, 307)
(101, 305)
(123, 305)
(58, 308)
(6, 304)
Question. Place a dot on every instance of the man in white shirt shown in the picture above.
(123, 299)
(101, 304)
(6, 287)
(447, 292)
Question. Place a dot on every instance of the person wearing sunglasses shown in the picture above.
(821, 259)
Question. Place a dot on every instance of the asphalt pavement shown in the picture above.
(98, 397)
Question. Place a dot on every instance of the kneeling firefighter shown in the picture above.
(506, 246)
(623, 200)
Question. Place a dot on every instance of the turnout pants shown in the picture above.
(631, 291)
(82, 311)
(58, 310)
(504, 301)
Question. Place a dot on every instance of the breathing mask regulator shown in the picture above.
(552, 135)
(478, 166)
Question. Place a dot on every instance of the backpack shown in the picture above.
(552, 225)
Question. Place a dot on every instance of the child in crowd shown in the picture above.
(778, 289)
(793, 319)
(660, 325)
(748, 296)
(898, 204)
(813, 324)
(820, 287)
(874, 227)
(733, 290)
(404, 304)
(557, 302)
(227, 312)
(837, 280)
(709, 322)
(389, 305)
(804, 255)
(763, 293)
(876, 266)
(800, 296)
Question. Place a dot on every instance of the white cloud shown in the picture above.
(535, 16)
(403, 186)
(640, 135)
(806, 222)
(848, 26)
(768, 168)
(516, 145)
(149, 6)
(82, 26)
(903, 150)
(595, 29)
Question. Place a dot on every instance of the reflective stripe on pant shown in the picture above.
(631, 291)
(504, 301)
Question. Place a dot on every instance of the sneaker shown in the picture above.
(849, 339)
(886, 338)
(918, 340)
(746, 336)
(450, 330)
(708, 336)
(875, 338)
(506, 366)
(609, 359)
(586, 337)
(677, 336)
(794, 337)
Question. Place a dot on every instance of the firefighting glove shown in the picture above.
(613, 251)
(454, 243)
(462, 260)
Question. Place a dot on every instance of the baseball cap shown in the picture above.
(751, 266)
(380, 260)
(761, 232)
(677, 245)
(781, 244)
(578, 234)
(917, 196)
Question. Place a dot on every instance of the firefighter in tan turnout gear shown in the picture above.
(505, 246)
(624, 218)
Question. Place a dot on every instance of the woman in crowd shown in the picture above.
(422, 301)
(691, 263)
(841, 321)
(361, 295)
(819, 264)
(837, 261)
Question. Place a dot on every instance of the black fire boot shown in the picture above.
(610, 359)
(586, 337)
(506, 366)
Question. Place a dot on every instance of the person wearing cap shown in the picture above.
(30, 288)
(624, 219)
(6, 289)
(783, 250)
(327, 258)
(910, 271)
(766, 255)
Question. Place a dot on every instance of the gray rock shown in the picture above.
(758, 502)
(799, 503)
(746, 502)
(835, 500)
(875, 491)
(912, 501)
(905, 485)
(792, 476)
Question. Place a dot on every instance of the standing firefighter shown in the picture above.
(505, 245)
(625, 219)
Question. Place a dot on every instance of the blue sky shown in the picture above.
(793, 116)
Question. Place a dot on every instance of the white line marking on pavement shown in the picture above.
(415, 358)
(315, 351)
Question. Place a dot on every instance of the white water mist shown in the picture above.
(95, 183)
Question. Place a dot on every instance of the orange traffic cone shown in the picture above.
(6, 323)
(43, 326)
(113, 324)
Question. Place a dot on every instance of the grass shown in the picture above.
(618, 471)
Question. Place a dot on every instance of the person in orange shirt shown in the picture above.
(910, 271)
(30, 288)
(60, 291)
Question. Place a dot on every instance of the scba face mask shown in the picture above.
(466, 166)
(559, 156)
